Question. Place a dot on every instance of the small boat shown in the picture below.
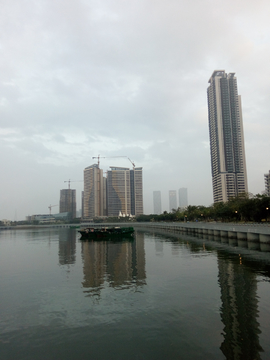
(106, 232)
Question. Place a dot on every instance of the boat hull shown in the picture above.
(106, 233)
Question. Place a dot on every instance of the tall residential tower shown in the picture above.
(124, 191)
(229, 176)
(93, 195)
(267, 183)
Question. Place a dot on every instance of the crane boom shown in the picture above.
(105, 157)
(50, 207)
(98, 157)
(131, 163)
(69, 181)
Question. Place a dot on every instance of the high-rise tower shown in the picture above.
(93, 192)
(267, 183)
(229, 176)
(136, 191)
(124, 191)
(68, 202)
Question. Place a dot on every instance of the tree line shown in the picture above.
(243, 208)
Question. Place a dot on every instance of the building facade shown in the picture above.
(172, 200)
(67, 202)
(228, 162)
(82, 199)
(157, 202)
(93, 202)
(267, 183)
(136, 191)
(124, 191)
(183, 198)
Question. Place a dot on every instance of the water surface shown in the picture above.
(157, 297)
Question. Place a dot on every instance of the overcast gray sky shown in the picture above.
(124, 78)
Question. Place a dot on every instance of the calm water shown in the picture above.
(156, 297)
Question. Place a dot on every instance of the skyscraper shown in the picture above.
(136, 191)
(93, 192)
(157, 202)
(82, 216)
(267, 183)
(118, 191)
(68, 202)
(229, 176)
(172, 200)
(183, 198)
(124, 191)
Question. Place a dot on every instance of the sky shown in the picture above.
(82, 78)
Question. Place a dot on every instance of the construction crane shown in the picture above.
(69, 181)
(131, 163)
(98, 157)
(50, 207)
(105, 157)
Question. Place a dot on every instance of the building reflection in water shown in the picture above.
(159, 243)
(239, 310)
(67, 246)
(119, 264)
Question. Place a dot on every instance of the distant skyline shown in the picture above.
(183, 197)
(157, 207)
(83, 78)
(172, 200)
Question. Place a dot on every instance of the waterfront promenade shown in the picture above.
(252, 232)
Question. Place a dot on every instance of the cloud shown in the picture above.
(82, 78)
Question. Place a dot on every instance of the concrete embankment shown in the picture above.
(255, 233)
(252, 233)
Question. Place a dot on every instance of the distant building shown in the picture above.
(157, 202)
(228, 162)
(93, 203)
(124, 191)
(5, 222)
(267, 183)
(82, 215)
(172, 200)
(183, 197)
(105, 207)
(49, 218)
(68, 202)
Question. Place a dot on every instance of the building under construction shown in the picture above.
(121, 192)
(68, 202)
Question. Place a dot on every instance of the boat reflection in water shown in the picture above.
(121, 264)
